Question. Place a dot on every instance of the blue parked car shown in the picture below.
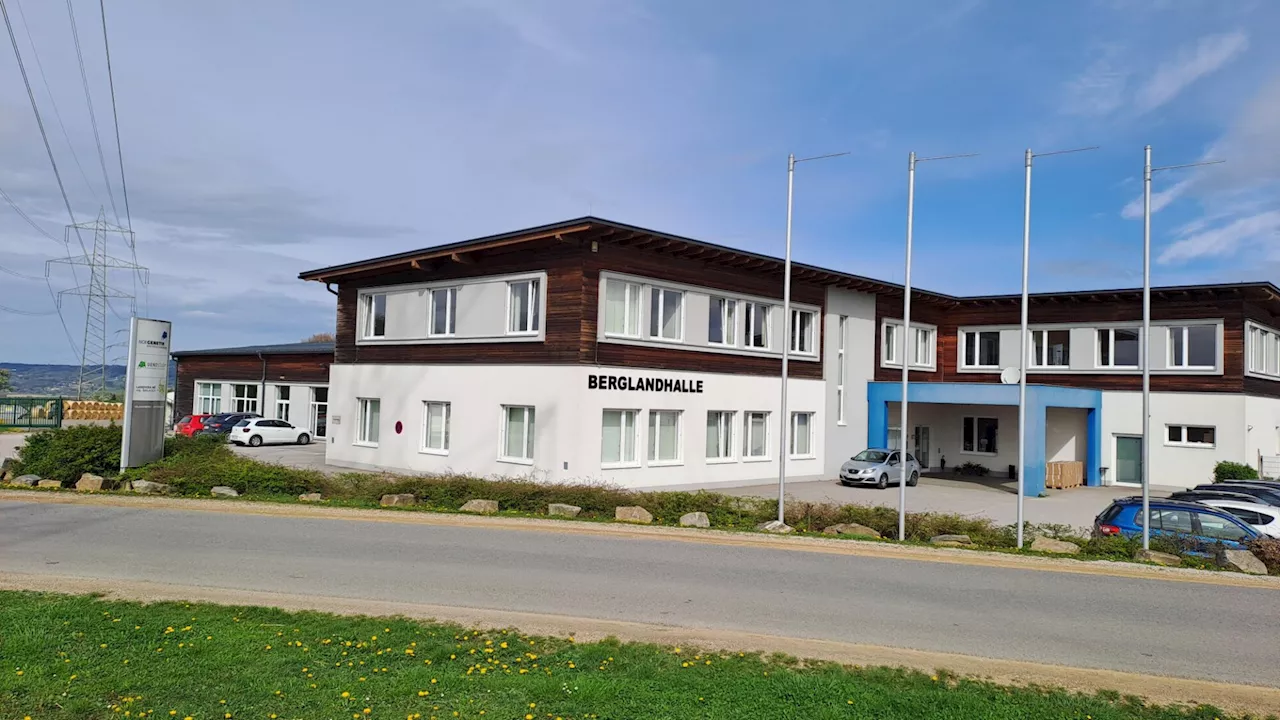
(1203, 525)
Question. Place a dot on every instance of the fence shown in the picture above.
(31, 412)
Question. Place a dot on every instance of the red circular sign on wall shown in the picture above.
(399, 427)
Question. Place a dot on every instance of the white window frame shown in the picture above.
(1037, 360)
(655, 319)
(808, 337)
(725, 422)
(746, 436)
(727, 308)
(450, 312)
(1264, 346)
(976, 451)
(632, 308)
(210, 403)
(243, 403)
(1183, 363)
(842, 330)
(977, 351)
(652, 446)
(793, 435)
(446, 415)
(368, 434)
(533, 302)
(1111, 347)
(630, 427)
(751, 308)
(369, 303)
(1182, 428)
(528, 428)
(284, 403)
(889, 343)
(890, 347)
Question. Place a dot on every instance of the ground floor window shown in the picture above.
(1192, 435)
(979, 435)
(720, 435)
(618, 438)
(282, 403)
(755, 436)
(209, 398)
(664, 436)
(369, 419)
(801, 434)
(435, 427)
(244, 398)
(517, 433)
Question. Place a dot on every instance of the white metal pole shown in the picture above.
(1146, 351)
(1023, 337)
(783, 446)
(906, 349)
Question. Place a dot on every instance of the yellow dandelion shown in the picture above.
(346, 694)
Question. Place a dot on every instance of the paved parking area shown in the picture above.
(310, 457)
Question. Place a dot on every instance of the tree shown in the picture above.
(5, 384)
(323, 337)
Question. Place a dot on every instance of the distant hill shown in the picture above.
(59, 380)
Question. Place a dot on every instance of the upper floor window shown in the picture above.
(982, 348)
(722, 321)
(1050, 348)
(666, 314)
(621, 308)
(523, 298)
(755, 324)
(375, 315)
(922, 350)
(1264, 351)
(1118, 347)
(923, 339)
(891, 344)
(1193, 346)
(444, 311)
(802, 332)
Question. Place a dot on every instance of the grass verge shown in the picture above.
(64, 657)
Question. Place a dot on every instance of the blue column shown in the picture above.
(1033, 470)
(878, 414)
(1093, 463)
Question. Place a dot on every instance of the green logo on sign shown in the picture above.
(142, 364)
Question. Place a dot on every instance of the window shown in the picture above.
(1118, 347)
(1193, 435)
(444, 311)
(801, 434)
(666, 314)
(517, 433)
(979, 435)
(664, 436)
(1264, 351)
(755, 324)
(210, 398)
(802, 332)
(1246, 516)
(719, 435)
(375, 316)
(244, 398)
(367, 430)
(722, 324)
(982, 348)
(282, 402)
(435, 427)
(923, 344)
(922, 352)
(755, 439)
(1193, 346)
(1050, 348)
(621, 308)
(891, 344)
(1172, 521)
(1220, 528)
(618, 438)
(523, 297)
(843, 331)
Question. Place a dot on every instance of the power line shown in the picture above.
(124, 185)
(17, 274)
(27, 217)
(16, 311)
(93, 118)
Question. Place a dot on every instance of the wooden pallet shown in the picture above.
(1063, 475)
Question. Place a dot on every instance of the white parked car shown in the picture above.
(261, 431)
(1264, 518)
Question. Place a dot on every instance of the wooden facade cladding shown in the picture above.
(293, 368)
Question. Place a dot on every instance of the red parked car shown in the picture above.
(190, 425)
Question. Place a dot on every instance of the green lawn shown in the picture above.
(81, 658)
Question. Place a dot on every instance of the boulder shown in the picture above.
(850, 529)
(695, 519)
(1245, 562)
(950, 540)
(563, 510)
(224, 491)
(484, 507)
(49, 483)
(311, 497)
(146, 487)
(124, 485)
(1049, 545)
(25, 480)
(633, 514)
(1158, 558)
(89, 481)
(775, 526)
(398, 500)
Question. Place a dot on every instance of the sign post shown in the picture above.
(145, 391)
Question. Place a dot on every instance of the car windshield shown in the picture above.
(185, 420)
(873, 456)
(243, 423)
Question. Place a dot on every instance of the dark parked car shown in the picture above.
(222, 424)
(1202, 525)
(1199, 495)
(1262, 492)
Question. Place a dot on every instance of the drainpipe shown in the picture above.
(262, 388)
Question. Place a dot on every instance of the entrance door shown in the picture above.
(319, 411)
(1128, 470)
(922, 446)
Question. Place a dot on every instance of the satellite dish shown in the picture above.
(1010, 376)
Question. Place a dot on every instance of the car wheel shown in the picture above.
(304, 439)
(883, 482)
(915, 477)
(255, 441)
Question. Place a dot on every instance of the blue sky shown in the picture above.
(262, 139)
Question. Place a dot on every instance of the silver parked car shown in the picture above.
(879, 467)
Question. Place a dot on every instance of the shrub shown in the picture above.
(973, 468)
(1113, 547)
(67, 453)
(1226, 470)
(192, 466)
(1268, 551)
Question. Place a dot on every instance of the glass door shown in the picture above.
(922, 446)
(1128, 470)
(319, 411)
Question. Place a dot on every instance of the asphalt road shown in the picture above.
(1148, 626)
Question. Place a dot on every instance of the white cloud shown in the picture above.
(1100, 89)
(1159, 200)
(1262, 228)
(1211, 53)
